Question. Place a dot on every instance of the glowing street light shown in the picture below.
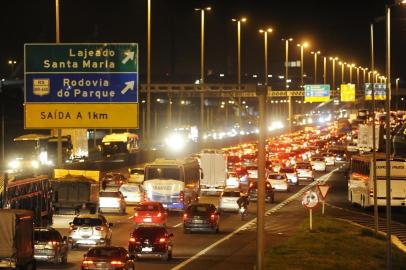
(302, 46)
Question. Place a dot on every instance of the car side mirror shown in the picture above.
(171, 235)
(110, 224)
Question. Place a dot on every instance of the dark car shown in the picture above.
(201, 217)
(113, 258)
(50, 246)
(113, 180)
(151, 241)
(253, 192)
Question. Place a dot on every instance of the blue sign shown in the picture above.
(82, 88)
(317, 92)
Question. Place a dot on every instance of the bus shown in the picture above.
(118, 144)
(174, 183)
(361, 186)
(28, 152)
(33, 194)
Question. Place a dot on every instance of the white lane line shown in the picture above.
(252, 222)
(177, 225)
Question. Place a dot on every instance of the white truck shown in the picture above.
(365, 139)
(80, 148)
(214, 166)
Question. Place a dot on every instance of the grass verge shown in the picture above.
(333, 244)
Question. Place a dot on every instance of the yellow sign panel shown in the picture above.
(317, 99)
(348, 92)
(60, 115)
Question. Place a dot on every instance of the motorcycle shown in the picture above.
(243, 212)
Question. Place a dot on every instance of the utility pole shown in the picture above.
(147, 134)
(59, 131)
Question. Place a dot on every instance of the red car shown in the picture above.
(150, 213)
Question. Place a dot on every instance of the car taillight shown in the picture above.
(181, 196)
(162, 240)
(116, 263)
(144, 196)
(135, 214)
(87, 262)
(159, 214)
(213, 216)
(184, 216)
(133, 240)
(53, 243)
(98, 228)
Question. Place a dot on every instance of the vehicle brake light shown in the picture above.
(181, 196)
(117, 263)
(98, 228)
(53, 243)
(212, 216)
(185, 216)
(159, 214)
(87, 262)
(135, 214)
(132, 239)
(144, 196)
(162, 240)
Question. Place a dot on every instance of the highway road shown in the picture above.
(238, 251)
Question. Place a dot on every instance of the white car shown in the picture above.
(318, 163)
(329, 159)
(133, 193)
(290, 174)
(278, 181)
(112, 202)
(232, 181)
(89, 230)
(352, 147)
(136, 175)
(228, 200)
(304, 170)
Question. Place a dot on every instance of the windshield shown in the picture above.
(109, 252)
(147, 207)
(46, 236)
(87, 222)
(162, 173)
(129, 188)
(114, 147)
(197, 209)
(26, 149)
(110, 194)
(149, 231)
(276, 176)
(303, 166)
(287, 170)
(231, 194)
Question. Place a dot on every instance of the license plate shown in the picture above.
(198, 221)
(147, 219)
(147, 249)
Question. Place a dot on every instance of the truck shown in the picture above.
(214, 167)
(75, 190)
(17, 239)
(365, 138)
(79, 143)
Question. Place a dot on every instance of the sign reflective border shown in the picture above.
(46, 116)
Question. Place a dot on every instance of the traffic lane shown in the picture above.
(338, 196)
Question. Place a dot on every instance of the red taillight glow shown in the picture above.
(159, 214)
(213, 216)
(53, 243)
(99, 228)
(117, 263)
(185, 216)
(162, 240)
(132, 239)
(181, 196)
(135, 214)
(87, 262)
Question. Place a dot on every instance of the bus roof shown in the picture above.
(31, 137)
(119, 137)
(172, 162)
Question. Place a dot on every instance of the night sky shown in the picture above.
(335, 27)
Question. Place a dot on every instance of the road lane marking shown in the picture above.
(253, 221)
(177, 225)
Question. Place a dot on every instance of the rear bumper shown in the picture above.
(87, 241)
(111, 209)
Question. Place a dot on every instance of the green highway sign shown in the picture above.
(67, 57)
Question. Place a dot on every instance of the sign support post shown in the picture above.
(311, 219)
(310, 200)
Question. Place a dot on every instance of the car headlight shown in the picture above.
(15, 164)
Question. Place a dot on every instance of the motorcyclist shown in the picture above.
(243, 201)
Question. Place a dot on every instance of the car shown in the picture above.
(252, 171)
(136, 175)
(318, 163)
(50, 246)
(150, 213)
(278, 181)
(329, 159)
(340, 156)
(232, 181)
(151, 241)
(108, 258)
(304, 170)
(133, 193)
(114, 180)
(201, 217)
(253, 192)
(112, 202)
(228, 200)
(352, 147)
(290, 174)
(89, 230)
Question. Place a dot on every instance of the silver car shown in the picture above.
(50, 246)
(89, 230)
(228, 200)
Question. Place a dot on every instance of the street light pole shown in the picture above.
(357, 76)
(287, 60)
(302, 46)
(396, 93)
(315, 65)
(202, 11)
(265, 32)
(334, 59)
(59, 131)
(324, 70)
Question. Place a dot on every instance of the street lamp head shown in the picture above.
(234, 20)
(269, 30)
(305, 44)
(207, 8)
(243, 19)
(318, 52)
